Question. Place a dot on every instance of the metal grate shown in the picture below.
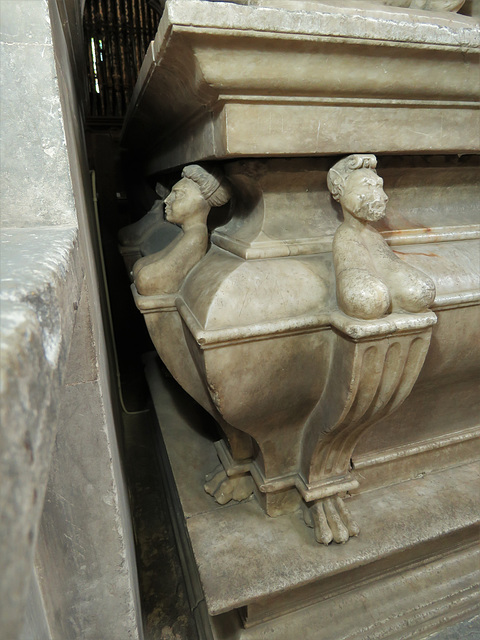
(117, 35)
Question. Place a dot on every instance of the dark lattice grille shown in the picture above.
(117, 34)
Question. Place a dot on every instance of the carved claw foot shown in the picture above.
(330, 520)
(224, 488)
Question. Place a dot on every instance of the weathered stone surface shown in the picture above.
(422, 193)
(295, 365)
(35, 626)
(297, 345)
(311, 5)
(87, 581)
(33, 145)
(39, 266)
(371, 280)
(44, 187)
(82, 347)
(40, 285)
(28, 22)
(188, 206)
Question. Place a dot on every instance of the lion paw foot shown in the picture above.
(331, 520)
(224, 488)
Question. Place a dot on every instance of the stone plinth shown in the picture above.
(255, 576)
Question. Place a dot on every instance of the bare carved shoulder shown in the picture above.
(188, 206)
(371, 280)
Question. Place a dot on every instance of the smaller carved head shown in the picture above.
(196, 192)
(354, 183)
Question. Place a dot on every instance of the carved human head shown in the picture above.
(354, 183)
(196, 192)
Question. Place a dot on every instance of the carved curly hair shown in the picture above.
(213, 185)
(338, 174)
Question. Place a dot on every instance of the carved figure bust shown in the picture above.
(188, 206)
(371, 280)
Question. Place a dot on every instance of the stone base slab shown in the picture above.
(412, 570)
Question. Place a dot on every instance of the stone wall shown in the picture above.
(67, 561)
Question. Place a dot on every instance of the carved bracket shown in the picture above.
(371, 375)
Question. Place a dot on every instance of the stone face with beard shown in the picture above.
(364, 196)
(371, 281)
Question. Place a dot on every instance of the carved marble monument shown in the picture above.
(333, 339)
(294, 436)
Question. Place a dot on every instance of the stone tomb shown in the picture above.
(333, 337)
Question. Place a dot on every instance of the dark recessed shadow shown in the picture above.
(188, 409)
